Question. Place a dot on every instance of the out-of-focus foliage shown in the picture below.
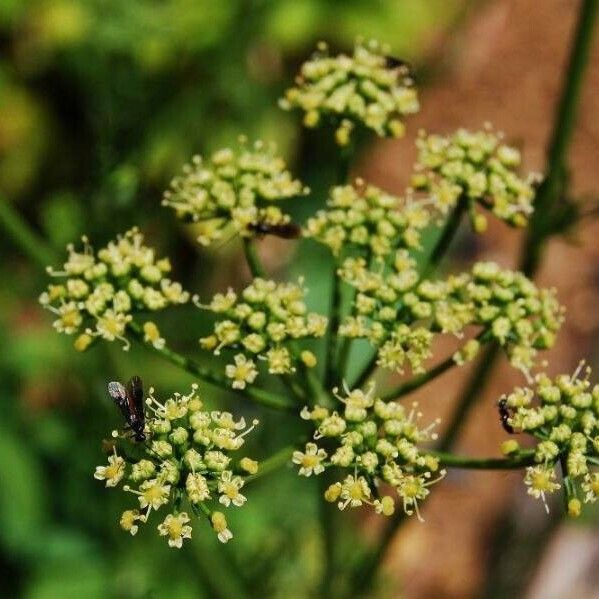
(101, 102)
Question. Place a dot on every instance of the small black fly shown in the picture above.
(391, 62)
(505, 415)
(130, 401)
(285, 230)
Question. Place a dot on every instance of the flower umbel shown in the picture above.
(377, 442)
(188, 457)
(563, 415)
(100, 293)
(233, 191)
(365, 216)
(262, 323)
(368, 89)
(478, 167)
(400, 313)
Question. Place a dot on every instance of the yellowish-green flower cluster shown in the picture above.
(369, 88)
(478, 167)
(187, 463)
(399, 313)
(97, 294)
(563, 415)
(262, 323)
(367, 217)
(376, 444)
(233, 192)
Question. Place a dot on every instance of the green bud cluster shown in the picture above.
(477, 167)
(99, 293)
(563, 415)
(399, 313)
(187, 458)
(233, 192)
(377, 443)
(262, 322)
(367, 217)
(368, 89)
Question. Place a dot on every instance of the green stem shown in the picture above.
(31, 244)
(272, 463)
(334, 320)
(314, 387)
(260, 396)
(542, 223)
(327, 517)
(343, 358)
(420, 380)
(451, 227)
(365, 573)
(251, 255)
(523, 459)
(366, 372)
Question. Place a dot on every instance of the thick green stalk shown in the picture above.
(261, 396)
(327, 515)
(543, 223)
(331, 372)
(23, 235)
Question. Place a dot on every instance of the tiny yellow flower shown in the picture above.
(219, 523)
(113, 473)
(176, 529)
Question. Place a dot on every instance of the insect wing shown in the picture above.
(135, 402)
(135, 395)
(118, 393)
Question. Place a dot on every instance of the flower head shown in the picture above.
(367, 89)
(188, 457)
(364, 216)
(478, 167)
(562, 414)
(261, 323)
(400, 313)
(377, 442)
(100, 293)
(233, 191)
(113, 473)
(310, 461)
(175, 527)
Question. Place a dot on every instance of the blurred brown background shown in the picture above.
(505, 65)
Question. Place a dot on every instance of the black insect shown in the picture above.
(397, 63)
(284, 230)
(505, 415)
(130, 401)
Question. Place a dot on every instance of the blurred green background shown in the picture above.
(101, 102)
